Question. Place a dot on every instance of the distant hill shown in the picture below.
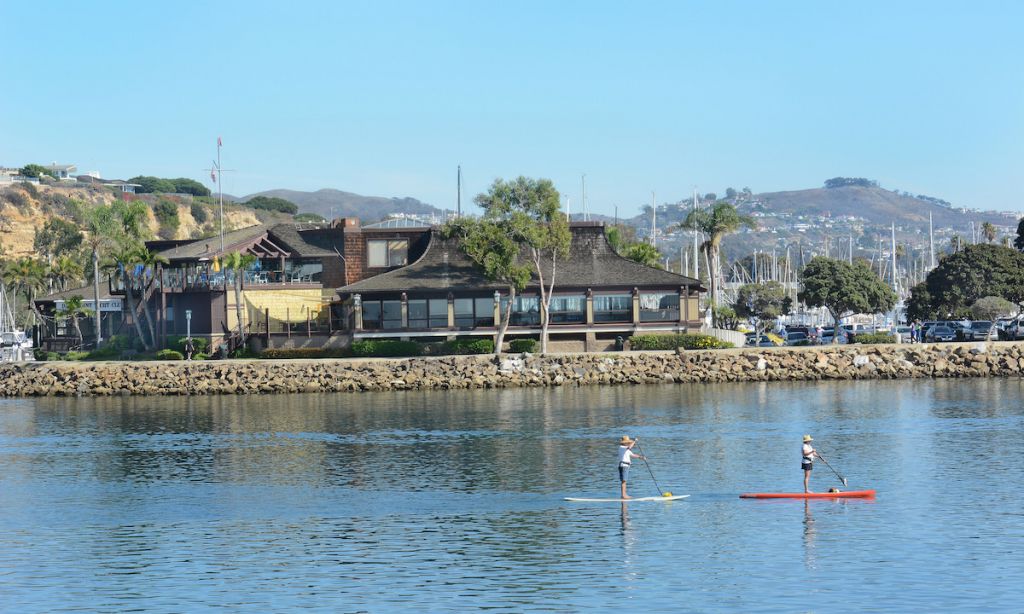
(877, 205)
(328, 203)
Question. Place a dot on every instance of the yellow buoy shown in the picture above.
(666, 494)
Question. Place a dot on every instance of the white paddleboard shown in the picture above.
(672, 498)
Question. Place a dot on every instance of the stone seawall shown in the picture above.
(739, 365)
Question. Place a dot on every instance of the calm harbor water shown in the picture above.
(435, 501)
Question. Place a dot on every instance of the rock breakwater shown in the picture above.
(513, 370)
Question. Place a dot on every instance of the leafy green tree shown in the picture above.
(132, 218)
(199, 213)
(975, 272)
(531, 211)
(1019, 241)
(74, 308)
(493, 250)
(56, 238)
(726, 317)
(763, 302)
(717, 222)
(272, 203)
(619, 236)
(309, 218)
(166, 214)
(189, 186)
(34, 170)
(238, 263)
(844, 289)
(644, 253)
(919, 305)
(152, 185)
(992, 307)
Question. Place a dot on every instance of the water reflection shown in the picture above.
(452, 500)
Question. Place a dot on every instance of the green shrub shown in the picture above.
(386, 348)
(41, 354)
(105, 353)
(468, 346)
(279, 353)
(200, 356)
(671, 342)
(199, 213)
(244, 353)
(200, 344)
(75, 356)
(169, 355)
(874, 338)
(523, 345)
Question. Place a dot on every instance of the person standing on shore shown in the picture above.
(626, 456)
(807, 455)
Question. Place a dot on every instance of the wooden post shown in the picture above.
(288, 320)
(636, 306)
(686, 309)
(308, 329)
(266, 322)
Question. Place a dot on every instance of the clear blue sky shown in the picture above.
(386, 98)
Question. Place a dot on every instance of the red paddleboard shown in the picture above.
(862, 494)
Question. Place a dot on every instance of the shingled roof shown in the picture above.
(209, 247)
(307, 244)
(86, 292)
(592, 263)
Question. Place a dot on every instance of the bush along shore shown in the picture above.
(511, 370)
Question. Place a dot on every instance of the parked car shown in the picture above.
(939, 333)
(797, 338)
(904, 333)
(980, 331)
(762, 342)
(826, 336)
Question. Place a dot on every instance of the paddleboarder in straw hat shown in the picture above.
(626, 456)
(807, 453)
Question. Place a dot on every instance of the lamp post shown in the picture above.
(188, 323)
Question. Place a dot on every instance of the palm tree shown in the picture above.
(28, 276)
(988, 230)
(238, 263)
(151, 263)
(720, 220)
(64, 270)
(74, 309)
(124, 266)
(100, 227)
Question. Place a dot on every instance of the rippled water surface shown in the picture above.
(454, 500)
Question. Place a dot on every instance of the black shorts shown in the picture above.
(806, 466)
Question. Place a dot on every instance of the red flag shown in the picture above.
(219, 143)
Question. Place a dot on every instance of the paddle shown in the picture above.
(663, 493)
(841, 478)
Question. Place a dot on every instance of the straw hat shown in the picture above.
(807, 438)
(625, 441)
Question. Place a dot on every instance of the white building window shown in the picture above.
(389, 253)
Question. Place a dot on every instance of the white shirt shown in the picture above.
(626, 455)
(807, 451)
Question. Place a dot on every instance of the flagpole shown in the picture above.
(220, 194)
